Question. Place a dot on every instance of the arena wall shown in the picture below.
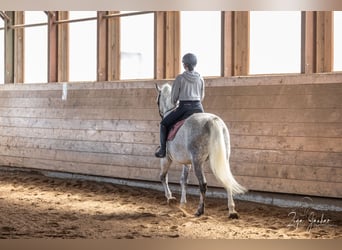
(286, 132)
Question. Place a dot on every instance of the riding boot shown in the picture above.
(162, 150)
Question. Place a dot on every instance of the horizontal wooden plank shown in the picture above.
(282, 171)
(110, 113)
(79, 124)
(280, 115)
(98, 102)
(287, 157)
(82, 135)
(287, 143)
(82, 157)
(317, 129)
(275, 90)
(80, 146)
(274, 101)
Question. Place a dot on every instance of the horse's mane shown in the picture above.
(166, 88)
(165, 91)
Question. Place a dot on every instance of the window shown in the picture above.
(137, 46)
(275, 40)
(83, 47)
(337, 41)
(35, 48)
(2, 52)
(201, 35)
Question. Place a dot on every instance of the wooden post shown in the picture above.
(9, 48)
(324, 41)
(308, 42)
(227, 34)
(159, 44)
(241, 43)
(19, 48)
(317, 42)
(235, 43)
(63, 48)
(102, 46)
(172, 44)
(113, 47)
(52, 47)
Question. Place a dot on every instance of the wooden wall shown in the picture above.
(286, 132)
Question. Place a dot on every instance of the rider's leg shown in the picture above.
(163, 134)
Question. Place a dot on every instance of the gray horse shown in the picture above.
(203, 136)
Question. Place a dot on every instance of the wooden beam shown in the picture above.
(52, 47)
(63, 48)
(159, 44)
(19, 48)
(324, 41)
(172, 44)
(308, 42)
(113, 47)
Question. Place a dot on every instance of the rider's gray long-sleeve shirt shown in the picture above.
(188, 86)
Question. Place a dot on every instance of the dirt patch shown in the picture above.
(36, 206)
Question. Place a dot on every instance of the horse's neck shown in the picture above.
(167, 105)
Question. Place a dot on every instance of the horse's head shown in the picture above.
(164, 99)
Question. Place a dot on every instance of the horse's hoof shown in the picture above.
(171, 199)
(233, 216)
(182, 205)
(198, 214)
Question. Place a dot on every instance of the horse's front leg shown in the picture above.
(184, 183)
(165, 164)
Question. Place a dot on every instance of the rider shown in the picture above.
(188, 89)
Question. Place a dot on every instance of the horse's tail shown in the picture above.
(219, 151)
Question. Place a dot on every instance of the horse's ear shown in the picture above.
(158, 88)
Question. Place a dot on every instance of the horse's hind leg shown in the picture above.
(165, 164)
(198, 167)
(231, 205)
(184, 183)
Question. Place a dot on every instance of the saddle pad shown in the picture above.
(174, 130)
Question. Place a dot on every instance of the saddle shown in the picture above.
(173, 131)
